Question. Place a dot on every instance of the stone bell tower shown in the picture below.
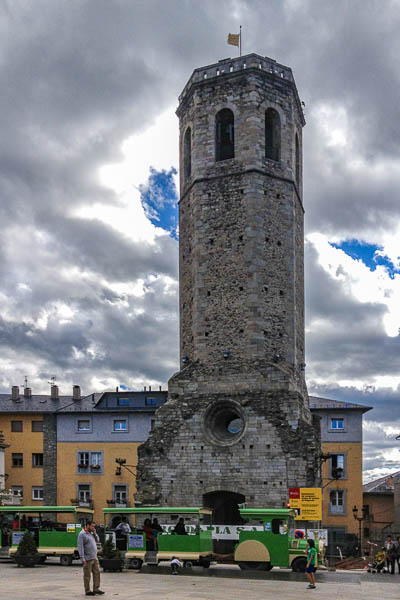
(237, 425)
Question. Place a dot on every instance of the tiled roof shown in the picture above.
(45, 404)
(382, 485)
(326, 404)
(42, 403)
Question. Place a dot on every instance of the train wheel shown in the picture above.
(66, 560)
(135, 563)
(299, 564)
(42, 559)
(255, 566)
(188, 564)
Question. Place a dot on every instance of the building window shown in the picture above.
(37, 493)
(225, 134)
(123, 402)
(90, 462)
(17, 459)
(84, 494)
(152, 424)
(336, 502)
(37, 460)
(272, 134)
(297, 160)
(187, 153)
(150, 401)
(120, 425)
(84, 425)
(16, 426)
(120, 494)
(37, 425)
(17, 490)
(337, 466)
(336, 424)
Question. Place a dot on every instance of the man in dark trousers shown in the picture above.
(87, 548)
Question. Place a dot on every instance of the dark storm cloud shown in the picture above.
(77, 78)
(345, 337)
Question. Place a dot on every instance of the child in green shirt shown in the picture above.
(311, 561)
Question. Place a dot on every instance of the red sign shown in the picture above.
(294, 493)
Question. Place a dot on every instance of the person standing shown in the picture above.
(87, 548)
(311, 560)
(123, 527)
(390, 559)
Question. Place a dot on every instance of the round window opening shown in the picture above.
(224, 422)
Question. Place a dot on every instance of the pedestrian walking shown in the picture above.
(310, 567)
(87, 548)
(390, 554)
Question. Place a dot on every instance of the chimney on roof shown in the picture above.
(54, 392)
(160, 388)
(149, 388)
(117, 389)
(144, 388)
(76, 392)
(15, 392)
(28, 392)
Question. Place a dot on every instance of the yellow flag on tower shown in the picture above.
(233, 39)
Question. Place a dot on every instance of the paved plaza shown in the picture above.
(51, 581)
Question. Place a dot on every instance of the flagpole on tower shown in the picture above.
(240, 41)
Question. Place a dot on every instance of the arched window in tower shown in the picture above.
(187, 153)
(297, 159)
(225, 139)
(272, 134)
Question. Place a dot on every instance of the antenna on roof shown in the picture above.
(26, 381)
(52, 380)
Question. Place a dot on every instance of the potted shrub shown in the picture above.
(111, 559)
(26, 554)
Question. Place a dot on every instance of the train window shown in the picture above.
(279, 526)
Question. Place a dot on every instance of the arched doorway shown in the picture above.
(225, 512)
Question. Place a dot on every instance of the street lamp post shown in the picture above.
(360, 520)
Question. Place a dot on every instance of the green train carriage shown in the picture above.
(192, 549)
(60, 539)
(275, 545)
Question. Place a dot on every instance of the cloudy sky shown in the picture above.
(88, 189)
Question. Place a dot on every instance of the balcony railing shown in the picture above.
(88, 503)
(116, 504)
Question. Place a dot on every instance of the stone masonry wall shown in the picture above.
(278, 449)
(50, 459)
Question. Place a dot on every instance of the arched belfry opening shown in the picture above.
(297, 159)
(272, 134)
(187, 153)
(225, 506)
(225, 134)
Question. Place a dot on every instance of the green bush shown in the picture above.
(27, 546)
(109, 550)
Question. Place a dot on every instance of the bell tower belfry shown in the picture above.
(237, 423)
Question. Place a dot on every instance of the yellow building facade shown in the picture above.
(24, 456)
(339, 496)
(96, 488)
(342, 465)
